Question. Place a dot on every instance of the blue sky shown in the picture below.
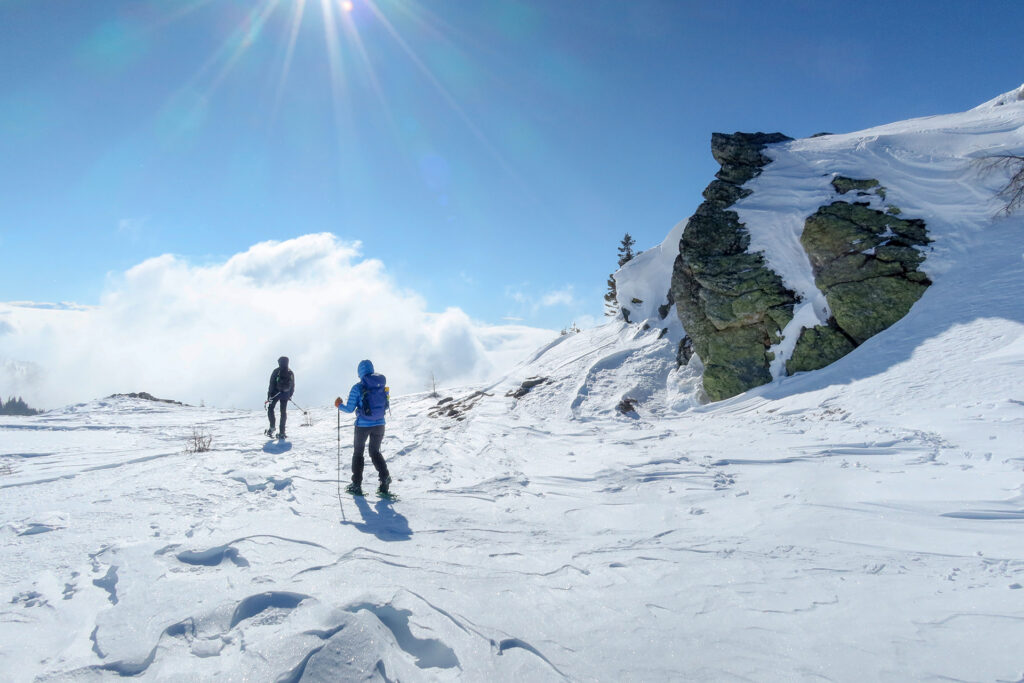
(490, 154)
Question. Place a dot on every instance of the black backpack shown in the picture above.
(284, 381)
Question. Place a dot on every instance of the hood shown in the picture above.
(282, 362)
(365, 368)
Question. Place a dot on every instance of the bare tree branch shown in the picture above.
(1013, 192)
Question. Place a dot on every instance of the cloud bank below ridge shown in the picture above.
(213, 332)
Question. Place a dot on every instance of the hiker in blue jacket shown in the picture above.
(368, 398)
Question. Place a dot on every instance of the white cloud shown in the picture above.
(517, 295)
(214, 332)
(561, 297)
(534, 303)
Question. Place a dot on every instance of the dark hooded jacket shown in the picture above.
(282, 380)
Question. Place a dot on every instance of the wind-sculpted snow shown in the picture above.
(213, 557)
(859, 522)
(429, 653)
(843, 532)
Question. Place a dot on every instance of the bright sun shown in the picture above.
(346, 5)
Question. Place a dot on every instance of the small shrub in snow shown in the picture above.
(199, 442)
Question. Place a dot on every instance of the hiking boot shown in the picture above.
(354, 489)
(383, 488)
(280, 435)
(269, 432)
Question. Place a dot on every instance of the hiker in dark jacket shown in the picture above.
(368, 398)
(282, 386)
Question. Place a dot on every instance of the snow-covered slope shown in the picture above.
(860, 522)
(863, 522)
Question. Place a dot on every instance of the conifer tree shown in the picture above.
(16, 406)
(611, 300)
(626, 250)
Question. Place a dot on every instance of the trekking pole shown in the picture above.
(340, 504)
(305, 414)
(271, 399)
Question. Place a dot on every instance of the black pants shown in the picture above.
(376, 435)
(284, 411)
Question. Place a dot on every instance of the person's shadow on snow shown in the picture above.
(277, 447)
(382, 521)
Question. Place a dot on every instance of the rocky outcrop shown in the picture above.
(818, 346)
(142, 395)
(731, 304)
(527, 386)
(866, 263)
(865, 260)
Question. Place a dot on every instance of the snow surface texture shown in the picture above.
(860, 522)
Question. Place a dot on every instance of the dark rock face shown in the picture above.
(526, 386)
(819, 346)
(866, 263)
(627, 406)
(842, 184)
(146, 397)
(731, 305)
(685, 351)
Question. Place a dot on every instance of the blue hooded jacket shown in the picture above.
(365, 368)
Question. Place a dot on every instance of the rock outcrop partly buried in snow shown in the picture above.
(799, 252)
(731, 304)
(866, 263)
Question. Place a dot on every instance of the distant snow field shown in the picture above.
(860, 522)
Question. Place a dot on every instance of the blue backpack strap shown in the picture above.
(363, 388)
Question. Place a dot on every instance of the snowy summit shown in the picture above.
(589, 516)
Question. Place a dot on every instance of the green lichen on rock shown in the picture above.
(840, 230)
(866, 263)
(862, 187)
(817, 347)
(865, 308)
(732, 306)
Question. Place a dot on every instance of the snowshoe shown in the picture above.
(384, 490)
(269, 433)
(280, 435)
(354, 489)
